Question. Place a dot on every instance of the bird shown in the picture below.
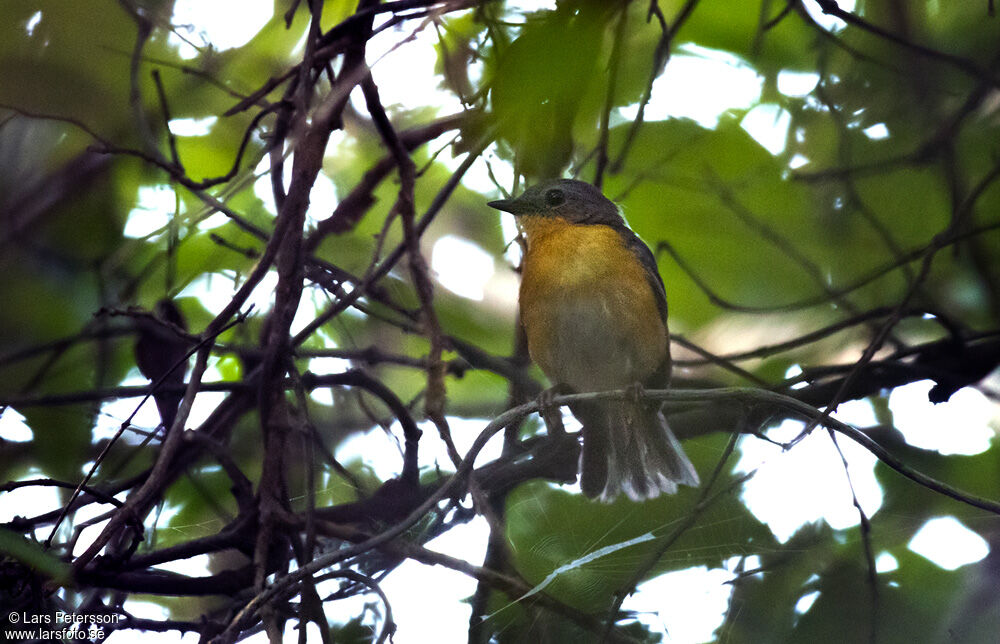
(594, 311)
(160, 353)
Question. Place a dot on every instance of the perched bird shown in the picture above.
(594, 311)
(160, 352)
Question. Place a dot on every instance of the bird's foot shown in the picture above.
(635, 393)
(550, 412)
(634, 402)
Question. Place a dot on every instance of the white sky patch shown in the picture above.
(684, 605)
(222, 23)
(13, 428)
(959, 426)
(750, 562)
(366, 605)
(262, 186)
(464, 432)
(324, 395)
(509, 227)
(309, 309)
(805, 602)
(383, 454)
(477, 177)
(441, 607)
(327, 365)
(292, 636)
(155, 205)
(322, 197)
(193, 127)
(828, 22)
(768, 125)
(114, 412)
(445, 610)
(405, 76)
(885, 562)
(215, 290)
(681, 91)
(149, 610)
(30, 500)
(877, 132)
(806, 483)
(461, 266)
(126, 636)
(855, 412)
(146, 610)
(792, 83)
(791, 372)
(212, 290)
(948, 543)
(88, 535)
(206, 401)
(91, 511)
(163, 517)
(32, 22)
(214, 220)
(196, 566)
(530, 6)
(798, 161)
(263, 294)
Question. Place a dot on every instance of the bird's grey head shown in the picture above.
(576, 201)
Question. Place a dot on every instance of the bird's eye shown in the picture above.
(554, 197)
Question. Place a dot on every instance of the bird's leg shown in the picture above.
(550, 412)
(634, 401)
(635, 392)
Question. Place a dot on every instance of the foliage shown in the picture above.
(867, 245)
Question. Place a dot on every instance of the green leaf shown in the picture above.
(584, 567)
(34, 557)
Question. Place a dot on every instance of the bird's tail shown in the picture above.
(628, 447)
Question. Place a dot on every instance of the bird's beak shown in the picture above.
(506, 205)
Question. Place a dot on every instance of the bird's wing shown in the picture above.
(648, 261)
(661, 377)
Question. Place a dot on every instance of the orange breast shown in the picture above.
(588, 311)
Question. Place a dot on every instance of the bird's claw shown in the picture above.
(550, 412)
(635, 393)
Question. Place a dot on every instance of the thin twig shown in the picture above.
(830, 7)
(614, 63)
